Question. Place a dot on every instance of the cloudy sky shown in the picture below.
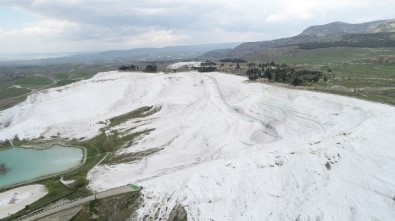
(97, 25)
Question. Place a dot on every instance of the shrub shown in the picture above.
(297, 81)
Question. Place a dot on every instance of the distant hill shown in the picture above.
(139, 54)
(220, 53)
(173, 52)
(329, 35)
(388, 26)
(339, 28)
(253, 47)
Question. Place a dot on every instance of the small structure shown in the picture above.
(3, 168)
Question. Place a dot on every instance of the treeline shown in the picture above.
(149, 68)
(282, 73)
(132, 67)
(207, 69)
(233, 60)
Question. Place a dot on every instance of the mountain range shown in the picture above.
(369, 34)
(335, 34)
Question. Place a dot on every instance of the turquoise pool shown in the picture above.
(29, 164)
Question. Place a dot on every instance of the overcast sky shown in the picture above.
(97, 25)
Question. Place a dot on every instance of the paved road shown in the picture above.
(101, 195)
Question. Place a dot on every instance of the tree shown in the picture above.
(273, 76)
(51, 186)
(297, 81)
(80, 181)
(15, 139)
(150, 68)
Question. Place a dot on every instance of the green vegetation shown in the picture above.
(80, 181)
(64, 82)
(13, 92)
(372, 40)
(132, 67)
(321, 56)
(138, 113)
(151, 68)
(206, 69)
(34, 81)
(130, 157)
(118, 207)
(207, 66)
(282, 73)
(61, 76)
(233, 60)
(110, 140)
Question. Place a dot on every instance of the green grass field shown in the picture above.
(34, 82)
(12, 92)
(64, 82)
(321, 56)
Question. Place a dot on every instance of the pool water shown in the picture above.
(29, 164)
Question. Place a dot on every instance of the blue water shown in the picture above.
(28, 164)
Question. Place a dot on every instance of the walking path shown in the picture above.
(38, 214)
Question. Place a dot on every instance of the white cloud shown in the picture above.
(42, 29)
(289, 15)
(155, 38)
(101, 24)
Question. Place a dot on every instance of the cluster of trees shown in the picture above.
(282, 73)
(207, 69)
(152, 68)
(207, 66)
(208, 63)
(233, 60)
(149, 68)
(132, 67)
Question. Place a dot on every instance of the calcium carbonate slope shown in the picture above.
(230, 149)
